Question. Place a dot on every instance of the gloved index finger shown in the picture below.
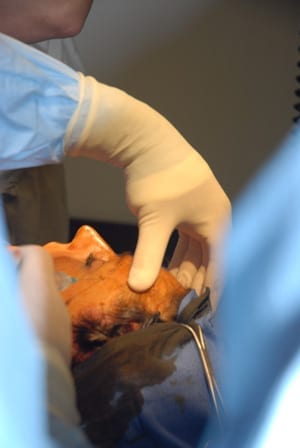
(147, 260)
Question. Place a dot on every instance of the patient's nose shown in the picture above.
(86, 242)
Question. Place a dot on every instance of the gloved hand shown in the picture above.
(43, 303)
(168, 184)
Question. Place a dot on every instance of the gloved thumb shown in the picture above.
(147, 260)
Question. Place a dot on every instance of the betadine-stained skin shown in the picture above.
(93, 282)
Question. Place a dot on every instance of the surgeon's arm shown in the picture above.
(48, 110)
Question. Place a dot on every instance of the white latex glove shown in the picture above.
(168, 184)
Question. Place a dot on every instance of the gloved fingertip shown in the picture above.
(139, 280)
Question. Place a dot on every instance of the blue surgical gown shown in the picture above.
(39, 95)
(260, 308)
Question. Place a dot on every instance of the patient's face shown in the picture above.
(93, 282)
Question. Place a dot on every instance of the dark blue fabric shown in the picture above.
(175, 412)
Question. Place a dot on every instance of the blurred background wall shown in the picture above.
(223, 72)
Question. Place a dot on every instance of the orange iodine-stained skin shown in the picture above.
(93, 283)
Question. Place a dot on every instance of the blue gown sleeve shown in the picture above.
(38, 97)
